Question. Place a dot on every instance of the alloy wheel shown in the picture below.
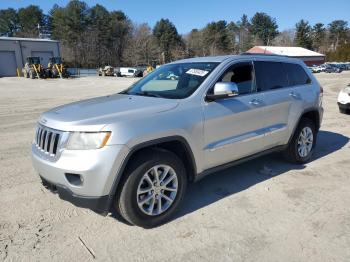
(305, 142)
(157, 190)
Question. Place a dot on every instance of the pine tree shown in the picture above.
(303, 34)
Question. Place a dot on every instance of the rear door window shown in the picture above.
(270, 75)
(296, 74)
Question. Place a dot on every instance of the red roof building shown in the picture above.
(309, 57)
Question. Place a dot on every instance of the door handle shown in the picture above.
(294, 95)
(255, 102)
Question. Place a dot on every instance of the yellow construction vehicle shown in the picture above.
(148, 70)
(33, 69)
(55, 68)
(106, 71)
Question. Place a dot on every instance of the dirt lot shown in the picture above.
(263, 210)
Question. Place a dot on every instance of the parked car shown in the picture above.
(344, 100)
(315, 69)
(330, 68)
(136, 151)
(342, 67)
(129, 71)
(323, 67)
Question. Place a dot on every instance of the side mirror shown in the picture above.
(223, 90)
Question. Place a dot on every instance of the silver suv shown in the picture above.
(137, 150)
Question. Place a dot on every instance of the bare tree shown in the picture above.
(284, 38)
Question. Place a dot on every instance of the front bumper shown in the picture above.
(96, 168)
(98, 204)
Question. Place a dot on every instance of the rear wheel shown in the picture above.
(301, 146)
(154, 187)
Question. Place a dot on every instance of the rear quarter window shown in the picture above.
(296, 74)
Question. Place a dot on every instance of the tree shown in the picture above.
(233, 32)
(120, 33)
(244, 34)
(94, 36)
(341, 54)
(90, 36)
(69, 25)
(167, 38)
(100, 20)
(29, 19)
(337, 33)
(8, 22)
(216, 38)
(284, 38)
(264, 27)
(303, 34)
(142, 48)
(194, 43)
(318, 36)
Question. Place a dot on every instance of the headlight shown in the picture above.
(87, 140)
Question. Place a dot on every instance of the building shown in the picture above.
(309, 57)
(14, 51)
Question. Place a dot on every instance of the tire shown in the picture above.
(31, 74)
(343, 110)
(129, 200)
(54, 74)
(292, 153)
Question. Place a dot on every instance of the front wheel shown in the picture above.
(155, 185)
(342, 110)
(301, 146)
(31, 74)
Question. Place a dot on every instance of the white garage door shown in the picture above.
(8, 66)
(44, 57)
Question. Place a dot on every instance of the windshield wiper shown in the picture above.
(145, 93)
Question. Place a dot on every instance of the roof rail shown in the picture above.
(262, 54)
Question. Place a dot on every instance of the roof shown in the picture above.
(208, 59)
(220, 59)
(284, 50)
(26, 39)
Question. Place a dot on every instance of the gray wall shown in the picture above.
(25, 48)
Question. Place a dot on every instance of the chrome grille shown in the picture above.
(47, 140)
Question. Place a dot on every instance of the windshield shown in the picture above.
(173, 81)
(34, 60)
(57, 60)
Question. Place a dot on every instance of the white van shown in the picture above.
(127, 71)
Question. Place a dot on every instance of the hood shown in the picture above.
(93, 114)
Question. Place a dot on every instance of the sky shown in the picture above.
(187, 14)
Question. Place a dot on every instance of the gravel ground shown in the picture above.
(263, 210)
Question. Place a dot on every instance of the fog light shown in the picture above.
(74, 179)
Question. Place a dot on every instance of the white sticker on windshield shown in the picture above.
(197, 72)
